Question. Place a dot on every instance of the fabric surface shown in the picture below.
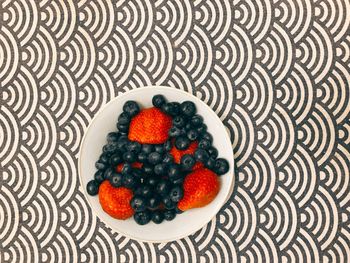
(276, 72)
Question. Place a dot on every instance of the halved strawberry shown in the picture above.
(200, 188)
(150, 126)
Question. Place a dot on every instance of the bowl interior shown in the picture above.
(185, 223)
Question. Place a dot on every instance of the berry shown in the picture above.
(144, 190)
(204, 144)
(137, 173)
(108, 173)
(188, 126)
(192, 135)
(178, 181)
(104, 158)
(127, 168)
(100, 166)
(158, 101)
(167, 108)
(187, 162)
(160, 169)
(122, 127)
(159, 148)
(129, 180)
(178, 211)
(167, 146)
(182, 143)
(138, 203)
(188, 108)
(92, 187)
(150, 126)
(153, 202)
(142, 218)
(213, 152)
(169, 215)
(121, 144)
(179, 121)
(115, 159)
(175, 108)
(147, 169)
(116, 180)
(200, 188)
(202, 129)
(157, 217)
(175, 132)
(221, 166)
(131, 108)
(168, 158)
(207, 136)
(176, 194)
(177, 154)
(147, 148)
(142, 157)
(129, 157)
(115, 201)
(133, 147)
(168, 203)
(110, 148)
(174, 172)
(162, 187)
(201, 155)
(112, 137)
(196, 120)
(210, 163)
(99, 177)
(151, 181)
(154, 158)
(124, 118)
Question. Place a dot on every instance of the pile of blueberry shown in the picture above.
(158, 184)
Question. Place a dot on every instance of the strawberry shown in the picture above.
(120, 166)
(177, 154)
(200, 188)
(150, 126)
(115, 201)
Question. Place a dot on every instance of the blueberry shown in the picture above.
(182, 143)
(100, 166)
(116, 180)
(104, 158)
(213, 152)
(167, 108)
(175, 108)
(138, 173)
(129, 180)
(169, 215)
(154, 158)
(192, 135)
(167, 146)
(124, 118)
(187, 162)
(157, 217)
(188, 126)
(129, 157)
(179, 121)
(204, 144)
(202, 129)
(145, 191)
(178, 181)
(168, 158)
(151, 181)
(210, 163)
(196, 120)
(147, 169)
(174, 171)
(131, 108)
(168, 203)
(176, 194)
(121, 145)
(127, 168)
(162, 187)
(142, 218)
(133, 147)
(147, 148)
(221, 166)
(142, 157)
(153, 202)
(201, 155)
(108, 173)
(188, 108)
(178, 211)
(111, 147)
(112, 137)
(138, 203)
(115, 159)
(122, 127)
(175, 132)
(158, 100)
(159, 148)
(160, 169)
(207, 136)
(92, 187)
(99, 176)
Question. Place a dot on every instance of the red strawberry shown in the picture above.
(200, 188)
(115, 201)
(177, 154)
(150, 126)
(134, 165)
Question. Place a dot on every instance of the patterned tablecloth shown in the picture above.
(276, 72)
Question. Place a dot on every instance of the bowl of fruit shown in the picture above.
(156, 164)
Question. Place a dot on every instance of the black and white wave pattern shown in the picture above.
(276, 72)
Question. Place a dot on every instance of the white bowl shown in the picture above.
(185, 223)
